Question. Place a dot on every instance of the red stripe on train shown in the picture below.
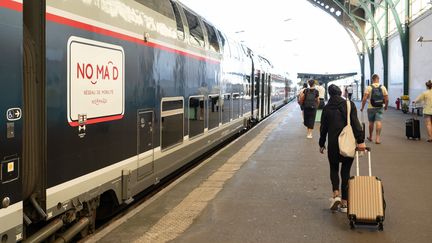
(99, 30)
(97, 120)
(11, 5)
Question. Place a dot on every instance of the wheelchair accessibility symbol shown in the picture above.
(13, 114)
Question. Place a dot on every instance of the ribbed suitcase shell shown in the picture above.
(366, 203)
(365, 199)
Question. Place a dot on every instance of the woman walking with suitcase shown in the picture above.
(426, 99)
(333, 121)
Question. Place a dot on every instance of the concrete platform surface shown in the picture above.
(272, 185)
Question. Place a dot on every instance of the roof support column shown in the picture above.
(362, 70)
(405, 40)
(384, 48)
(371, 14)
(371, 62)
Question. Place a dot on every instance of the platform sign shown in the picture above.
(95, 81)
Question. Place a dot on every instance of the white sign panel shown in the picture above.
(95, 81)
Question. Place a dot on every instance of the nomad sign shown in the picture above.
(95, 81)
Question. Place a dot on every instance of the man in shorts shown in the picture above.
(377, 96)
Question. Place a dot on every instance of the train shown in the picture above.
(100, 100)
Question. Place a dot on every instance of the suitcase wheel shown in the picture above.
(380, 227)
(352, 225)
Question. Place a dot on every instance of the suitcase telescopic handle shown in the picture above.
(368, 149)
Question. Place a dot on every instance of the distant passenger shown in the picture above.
(321, 91)
(309, 100)
(378, 102)
(349, 90)
(305, 86)
(333, 120)
(426, 99)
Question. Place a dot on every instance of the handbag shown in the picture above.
(347, 142)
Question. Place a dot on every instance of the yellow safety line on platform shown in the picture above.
(180, 218)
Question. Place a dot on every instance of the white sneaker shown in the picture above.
(343, 209)
(334, 203)
(309, 136)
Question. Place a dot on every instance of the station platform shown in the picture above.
(273, 185)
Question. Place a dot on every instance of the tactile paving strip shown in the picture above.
(182, 216)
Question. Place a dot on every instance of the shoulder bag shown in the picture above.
(347, 142)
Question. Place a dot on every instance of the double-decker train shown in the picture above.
(100, 100)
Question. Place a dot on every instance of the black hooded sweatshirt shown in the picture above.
(333, 120)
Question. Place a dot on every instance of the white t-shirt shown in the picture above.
(321, 91)
(369, 91)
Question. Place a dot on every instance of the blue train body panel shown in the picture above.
(11, 76)
(150, 74)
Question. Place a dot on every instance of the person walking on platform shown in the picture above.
(378, 102)
(305, 86)
(350, 91)
(321, 91)
(309, 100)
(426, 99)
(333, 121)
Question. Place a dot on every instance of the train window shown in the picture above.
(195, 30)
(221, 37)
(236, 108)
(246, 104)
(162, 7)
(196, 115)
(169, 105)
(180, 29)
(257, 83)
(213, 111)
(226, 108)
(212, 38)
(172, 121)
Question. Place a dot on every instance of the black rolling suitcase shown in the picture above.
(412, 128)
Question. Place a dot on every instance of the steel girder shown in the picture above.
(355, 15)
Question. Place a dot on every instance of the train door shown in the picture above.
(145, 143)
(269, 95)
(257, 94)
(11, 122)
(262, 96)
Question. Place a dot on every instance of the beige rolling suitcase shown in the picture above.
(366, 205)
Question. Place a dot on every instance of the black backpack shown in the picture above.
(377, 96)
(310, 99)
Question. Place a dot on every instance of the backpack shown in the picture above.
(310, 99)
(377, 96)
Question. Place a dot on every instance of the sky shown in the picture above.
(317, 43)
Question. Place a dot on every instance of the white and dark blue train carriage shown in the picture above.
(11, 82)
(114, 96)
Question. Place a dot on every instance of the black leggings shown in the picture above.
(344, 172)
